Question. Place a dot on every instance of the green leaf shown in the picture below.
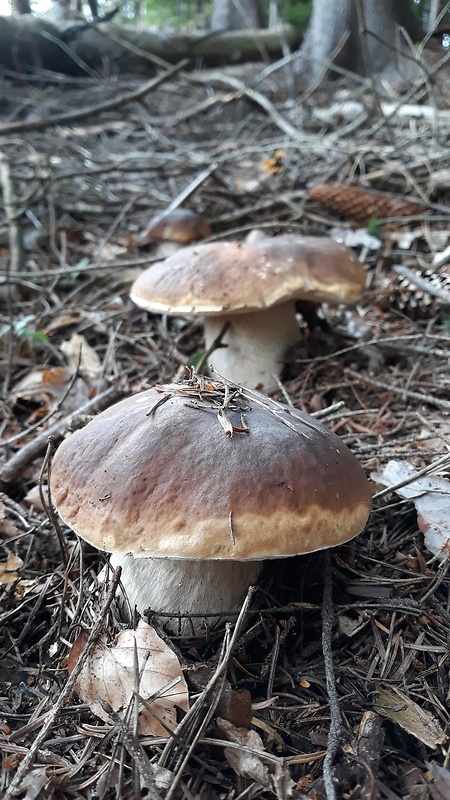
(40, 336)
(373, 226)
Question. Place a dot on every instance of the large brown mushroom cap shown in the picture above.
(157, 475)
(234, 277)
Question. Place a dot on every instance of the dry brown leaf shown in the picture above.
(81, 355)
(108, 676)
(8, 528)
(49, 386)
(12, 761)
(274, 164)
(62, 321)
(250, 760)
(8, 569)
(414, 719)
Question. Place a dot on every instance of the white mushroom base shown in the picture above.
(256, 344)
(185, 587)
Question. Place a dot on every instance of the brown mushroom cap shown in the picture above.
(180, 225)
(234, 277)
(155, 476)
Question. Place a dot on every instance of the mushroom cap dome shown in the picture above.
(239, 277)
(180, 225)
(203, 470)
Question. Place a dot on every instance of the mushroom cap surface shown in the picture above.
(237, 277)
(158, 476)
(180, 225)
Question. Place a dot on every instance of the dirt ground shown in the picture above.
(336, 683)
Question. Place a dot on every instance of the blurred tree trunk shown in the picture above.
(21, 6)
(63, 11)
(237, 14)
(334, 33)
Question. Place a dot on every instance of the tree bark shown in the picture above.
(28, 42)
(358, 35)
(237, 15)
(22, 6)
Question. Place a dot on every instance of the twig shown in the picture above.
(190, 189)
(273, 663)
(192, 726)
(135, 749)
(423, 398)
(15, 466)
(335, 714)
(107, 105)
(48, 506)
(262, 101)
(213, 346)
(436, 466)
(72, 54)
(52, 716)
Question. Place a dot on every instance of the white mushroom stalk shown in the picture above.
(190, 593)
(255, 344)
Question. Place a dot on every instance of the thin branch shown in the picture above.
(107, 105)
(335, 714)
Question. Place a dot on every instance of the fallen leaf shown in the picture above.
(49, 386)
(32, 498)
(12, 761)
(62, 321)
(7, 526)
(8, 569)
(250, 760)
(431, 497)
(79, 353)
(414, 719)
(33, 782)
(108, 676)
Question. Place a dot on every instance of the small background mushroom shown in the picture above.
(173, 230)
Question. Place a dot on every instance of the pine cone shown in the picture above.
(414, 301)
(361, 205)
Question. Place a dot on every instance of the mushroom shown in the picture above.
(252, 287)
(173, 230)
(191, 485)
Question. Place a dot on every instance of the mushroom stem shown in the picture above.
(256, 344)
(185, 586)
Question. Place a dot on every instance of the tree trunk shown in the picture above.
(237, 15)
(335, 33)
(22, 6)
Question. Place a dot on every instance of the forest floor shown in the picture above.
(85, 178)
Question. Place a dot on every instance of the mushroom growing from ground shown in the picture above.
(173, 230)
(253, 288)
(191, 485)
